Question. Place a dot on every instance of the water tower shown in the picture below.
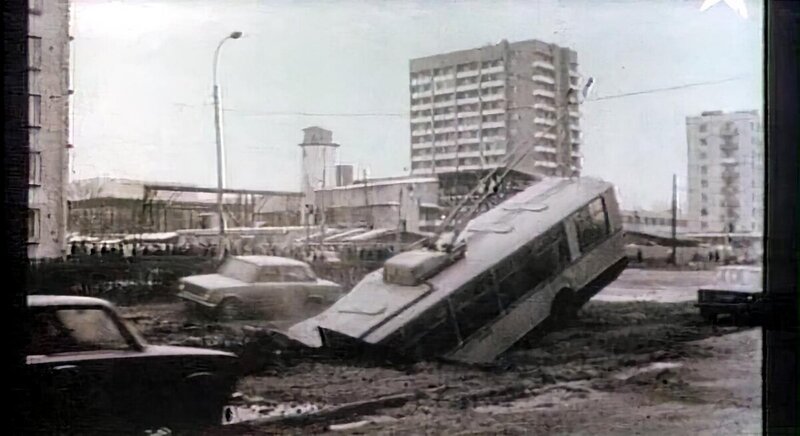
(318, 169)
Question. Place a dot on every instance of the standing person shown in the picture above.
(127, 251)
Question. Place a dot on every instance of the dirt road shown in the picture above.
(622, 367)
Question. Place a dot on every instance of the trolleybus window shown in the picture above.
(592, 224)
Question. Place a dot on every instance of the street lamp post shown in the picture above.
(218, 127)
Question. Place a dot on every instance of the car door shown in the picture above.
(268, 293)
(306, 296)
(73, 379)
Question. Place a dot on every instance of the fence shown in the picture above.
(138, 279)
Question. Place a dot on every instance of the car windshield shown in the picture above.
(239, 270)
(74, 330)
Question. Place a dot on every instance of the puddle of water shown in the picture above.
(237, 414)
(655, 366)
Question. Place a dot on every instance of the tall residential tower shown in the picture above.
(48, 126)
(726, 172)
(470, 109)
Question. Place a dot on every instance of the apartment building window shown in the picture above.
(35, 169)
(703, 128)
(704, 183)
(703, 155)
(34, 52)
(35, 6)
(703, 170)
(34, 110)
(34, 225)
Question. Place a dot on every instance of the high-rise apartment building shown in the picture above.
(48, 126)
(726, 172)
(470, 109)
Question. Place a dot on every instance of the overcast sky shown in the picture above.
(143, 81)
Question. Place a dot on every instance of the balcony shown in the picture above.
(421, 106)
(544, 93)
(468, 100)
(421, 145)
(544, 121)
(492, 84)
(543, 79)
(494, 97)
(468, 73)
(420, 132)
(496, 138)
(495, 152)
(441, 117)
(493, 124)
(544, 107)
(420, 94)
(492, 70)
(574, 114)
(421, 158)
(445, 103)
(573, 73)
(545, 164)
(493, 111)
(467, 87)
(543, 64)
(545, 149)
(545, 135)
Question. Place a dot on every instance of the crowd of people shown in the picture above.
(236, 247)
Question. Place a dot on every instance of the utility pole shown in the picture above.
(322, 202)
(366, 200)
(399, 216)
(674, 257)
(220, 145)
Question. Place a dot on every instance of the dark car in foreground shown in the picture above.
(736, 293)
(89, 372)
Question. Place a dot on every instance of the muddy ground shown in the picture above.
(621, 367)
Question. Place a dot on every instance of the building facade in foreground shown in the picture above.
(470, 109)
(48, 127)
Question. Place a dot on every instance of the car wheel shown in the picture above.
(563, 308)
(230, 309)
(708, 316)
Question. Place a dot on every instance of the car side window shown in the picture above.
(48, 335)
(92, 329)
(74, 330)
(269, 274)
(296, 274)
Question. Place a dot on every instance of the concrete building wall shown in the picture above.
(49, 48)
(471, 108)
(653, 222)
(380, 203)
(726, 172)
